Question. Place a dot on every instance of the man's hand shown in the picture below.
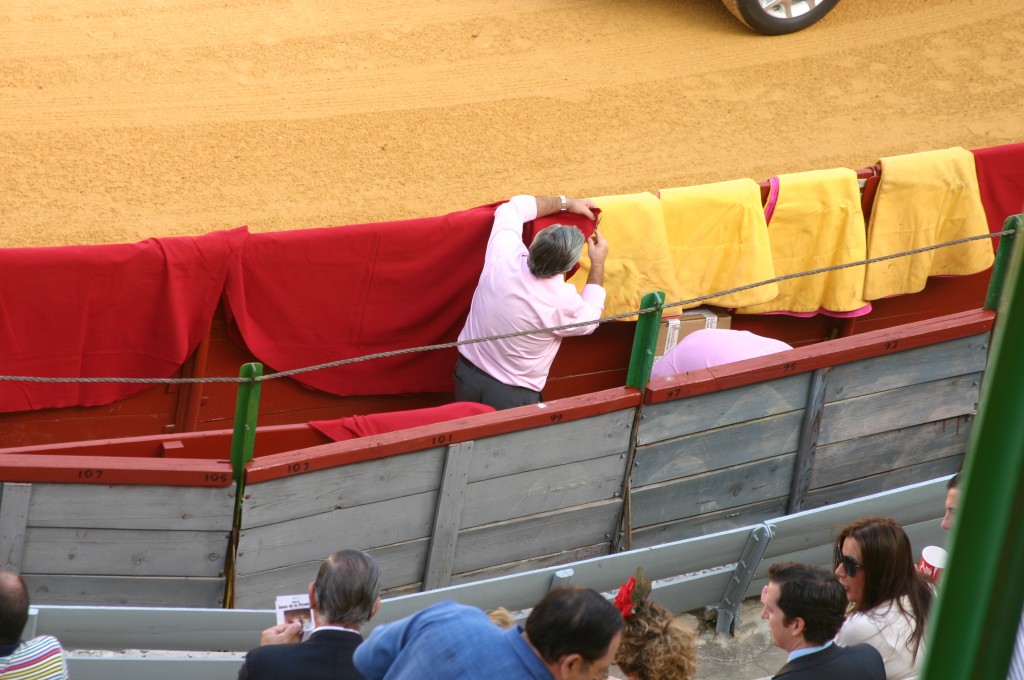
(597, 248)
(581, 206)
(282, 634)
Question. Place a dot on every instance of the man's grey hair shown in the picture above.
(347, 588)
(555, 250)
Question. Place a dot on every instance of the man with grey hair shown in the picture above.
(344, 596)
(524, 289)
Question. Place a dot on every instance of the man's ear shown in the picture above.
(376, 608)
(312, 595)
(569, 665)
(797, 625)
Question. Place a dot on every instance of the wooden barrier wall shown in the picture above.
(716, 449)
(784, 440)
(471, 504)
(689, 574)
(109, 531)
(510, 491)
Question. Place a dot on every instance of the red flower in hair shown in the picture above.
(633, 594)
(624, 600)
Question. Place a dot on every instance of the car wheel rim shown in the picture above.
(787, 9)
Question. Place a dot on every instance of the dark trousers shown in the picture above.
(472, 384)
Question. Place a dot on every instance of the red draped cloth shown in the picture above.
(131, 310)
(314, 296)
(352, 427)
(1001, 182)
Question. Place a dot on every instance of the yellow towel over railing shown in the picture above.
(924, 199)
(638, 256)
(718, 239)
(817, 223)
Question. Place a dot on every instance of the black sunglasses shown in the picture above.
(850, 565)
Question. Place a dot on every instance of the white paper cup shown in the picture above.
(933, 561)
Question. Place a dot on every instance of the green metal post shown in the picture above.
(975, 619)
(246, 411)
(644, 341)
(995, 282)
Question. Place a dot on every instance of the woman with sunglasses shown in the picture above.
(889, 598)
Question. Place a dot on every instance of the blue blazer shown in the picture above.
(326, 655)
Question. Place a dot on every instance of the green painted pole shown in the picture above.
(645, 340)
(995, 282)
(975, 619)
(247, 406)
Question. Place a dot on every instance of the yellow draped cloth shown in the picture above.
(924, 199)
(638, 255)
(817, 223)
(718, 239)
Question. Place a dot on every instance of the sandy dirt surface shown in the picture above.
(125, 119)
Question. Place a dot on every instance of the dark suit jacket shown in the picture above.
(326, 655)
(859, 662)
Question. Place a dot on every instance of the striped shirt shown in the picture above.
(40, 658)
(1016, 670)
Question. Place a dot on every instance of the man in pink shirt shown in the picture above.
(522, 290)
(712, 347)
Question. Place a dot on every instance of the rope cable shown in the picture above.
(447, 345)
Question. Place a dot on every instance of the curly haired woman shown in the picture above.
(655, 646)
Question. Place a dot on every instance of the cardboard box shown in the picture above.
(675, 328)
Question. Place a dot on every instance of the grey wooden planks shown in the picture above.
(543, 490)
(122, 590)
(713, 491)
(540, 534)
(900, 407)
(540, 447)
(14, 510)
(450, 502)
(849, 460)
(899, 369)
(709, 523)
(722, 447)
(127, 552)
(877, 483)
(718, 409)
(401, 564)
(101, 506)
(362, 527)
(346, 486)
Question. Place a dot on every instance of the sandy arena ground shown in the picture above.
(125, 119)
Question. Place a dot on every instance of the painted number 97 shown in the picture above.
(90, 474)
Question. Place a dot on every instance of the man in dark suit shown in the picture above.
(343, 598)
(805, 607)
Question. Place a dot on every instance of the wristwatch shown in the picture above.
(564, 203)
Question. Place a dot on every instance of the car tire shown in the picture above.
(754, 15)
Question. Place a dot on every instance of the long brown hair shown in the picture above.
(889, 571)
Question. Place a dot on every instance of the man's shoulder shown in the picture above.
(42, 645)
(862, 662)
(40, 657)
(332, 638)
